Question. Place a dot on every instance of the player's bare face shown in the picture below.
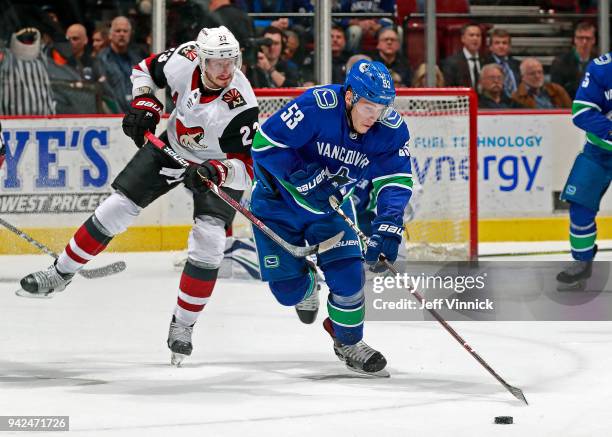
(219, 72)
(364, 114)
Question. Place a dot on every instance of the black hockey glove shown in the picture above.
(385, 240)
(213, 170)
(143, 116)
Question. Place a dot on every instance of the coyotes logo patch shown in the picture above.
(191, 138)
(234, 99)
(189, 52)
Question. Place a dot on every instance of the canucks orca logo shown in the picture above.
(342, 177)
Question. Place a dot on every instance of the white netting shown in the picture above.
(437, 221)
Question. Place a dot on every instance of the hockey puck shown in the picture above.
(505, 420)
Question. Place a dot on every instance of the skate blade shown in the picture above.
(22, 293)
(380, 374)
(177, 359)
(573, 286)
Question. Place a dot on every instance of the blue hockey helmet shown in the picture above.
(372, 81)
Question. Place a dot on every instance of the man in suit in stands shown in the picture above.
(568, 68)
(463, 68)
(499, 48)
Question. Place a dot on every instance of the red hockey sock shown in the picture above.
(87, 242)
(196, 286)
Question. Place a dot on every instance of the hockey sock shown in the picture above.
(583, 232)
(290, 292)
(197, 284)
(347, 315)
(89, 240)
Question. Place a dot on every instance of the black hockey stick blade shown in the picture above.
(517, 393)
(100, 272)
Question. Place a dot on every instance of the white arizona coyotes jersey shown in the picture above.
(203, 125)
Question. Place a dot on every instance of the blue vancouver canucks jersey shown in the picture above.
(313, 128)
(592, 108)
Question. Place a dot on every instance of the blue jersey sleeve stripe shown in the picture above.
(393, 175)
(271, 141)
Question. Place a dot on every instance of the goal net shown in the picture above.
(441, 220)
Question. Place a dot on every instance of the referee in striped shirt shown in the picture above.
(25, 88)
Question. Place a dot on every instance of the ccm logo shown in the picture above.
(149, 104)
(392, 229)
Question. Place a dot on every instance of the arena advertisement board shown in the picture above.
(58, 170)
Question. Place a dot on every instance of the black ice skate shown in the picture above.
(308, 308)
(179, 342)
(44, 283)
(358, 357)
(574, 277)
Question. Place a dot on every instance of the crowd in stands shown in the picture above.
(72, 58)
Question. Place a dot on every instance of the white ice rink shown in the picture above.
(97, 353)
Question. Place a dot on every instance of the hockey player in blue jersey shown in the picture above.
(320, 145)
(592, 171)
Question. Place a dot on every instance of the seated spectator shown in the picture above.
(389, 54)
(568, 68)
(271, 71)
(357, 28)
(80, 59)
(116, 61)
(223, 13)
(23, 73)
(499, 48)
(99, 40)
(420, 77)
(492, 95)
(463, 68)
(292, 52)
(339, 58)
(534, 93)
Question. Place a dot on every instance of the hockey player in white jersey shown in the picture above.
(212, 125)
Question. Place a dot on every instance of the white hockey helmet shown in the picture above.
(218, 43)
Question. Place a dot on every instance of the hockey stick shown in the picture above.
(99, 272)
(516, 392)
(296, 251)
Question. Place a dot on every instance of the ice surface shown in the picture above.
(97, 353)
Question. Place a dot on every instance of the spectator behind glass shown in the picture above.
(463, 68)
(99, 40)
(277, 7)
(116, 61)
(420, 77)
(339, 58)
(271, 71)
(80, 58)
(499, 48)
(357, 28)
(26, 89)
(389, 54)
(534, 93)
(491, 86)
(568, 68)
(223, 13)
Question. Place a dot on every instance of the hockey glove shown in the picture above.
(213, 170)
(314, 185)
(385, 240)
(143, 116)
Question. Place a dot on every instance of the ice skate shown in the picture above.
(44, 283)
(308, 308)
(179, 342)
(358, 357)
(574, 277)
